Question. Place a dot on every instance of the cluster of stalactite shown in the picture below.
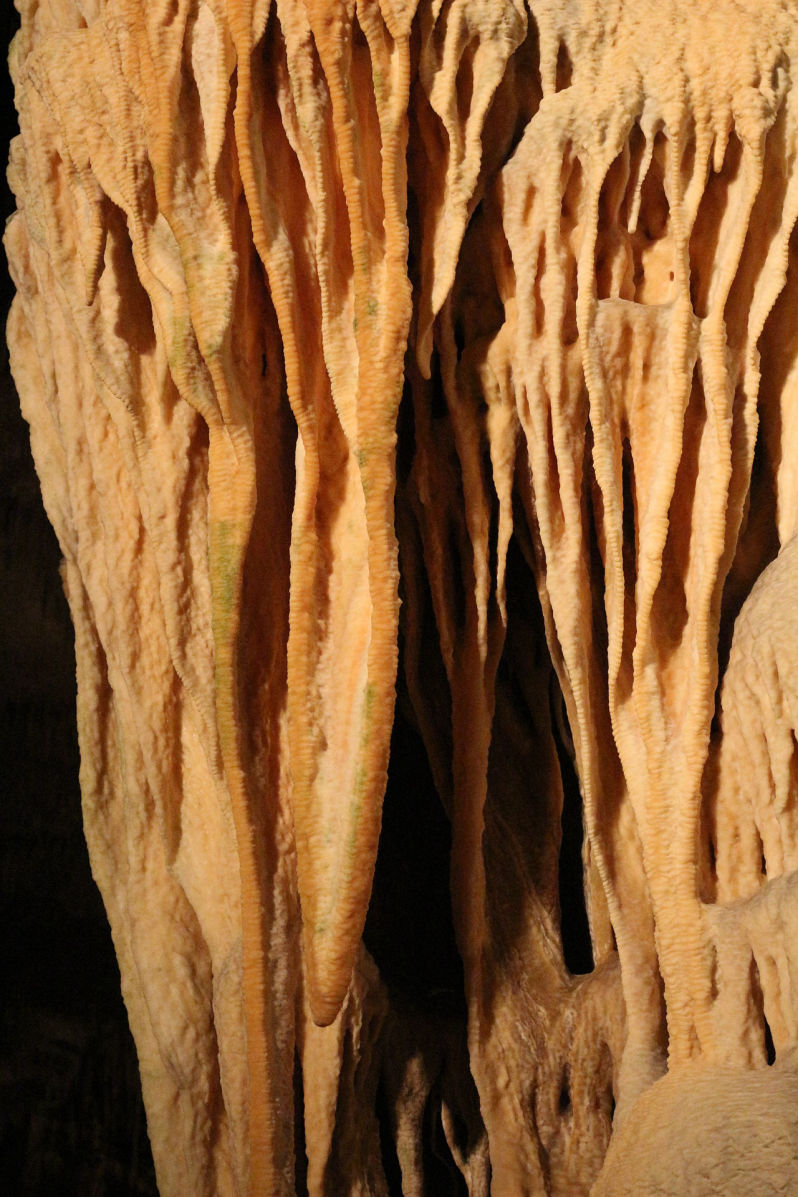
(414, 393)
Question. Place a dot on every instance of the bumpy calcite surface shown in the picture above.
(552, 246)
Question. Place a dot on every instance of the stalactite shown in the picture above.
(418, 381)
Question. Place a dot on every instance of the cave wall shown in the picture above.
(411, 392)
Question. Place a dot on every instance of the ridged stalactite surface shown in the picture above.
(414, 393)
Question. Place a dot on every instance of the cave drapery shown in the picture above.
(414, 394)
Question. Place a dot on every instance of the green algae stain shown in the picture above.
(355, 812)
(225, 553)
(225, 561)
(368, 712)
(361, 779)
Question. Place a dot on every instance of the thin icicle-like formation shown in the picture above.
(413, 391)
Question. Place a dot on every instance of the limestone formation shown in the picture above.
(414, 392)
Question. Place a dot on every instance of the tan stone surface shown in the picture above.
(325, 305)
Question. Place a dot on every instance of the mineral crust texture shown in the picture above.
(414, 394)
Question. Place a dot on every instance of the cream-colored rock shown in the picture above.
(686, 1132)
(428, 370)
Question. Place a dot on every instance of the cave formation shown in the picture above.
(414, 394)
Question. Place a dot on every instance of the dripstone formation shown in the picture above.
(414, 393)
